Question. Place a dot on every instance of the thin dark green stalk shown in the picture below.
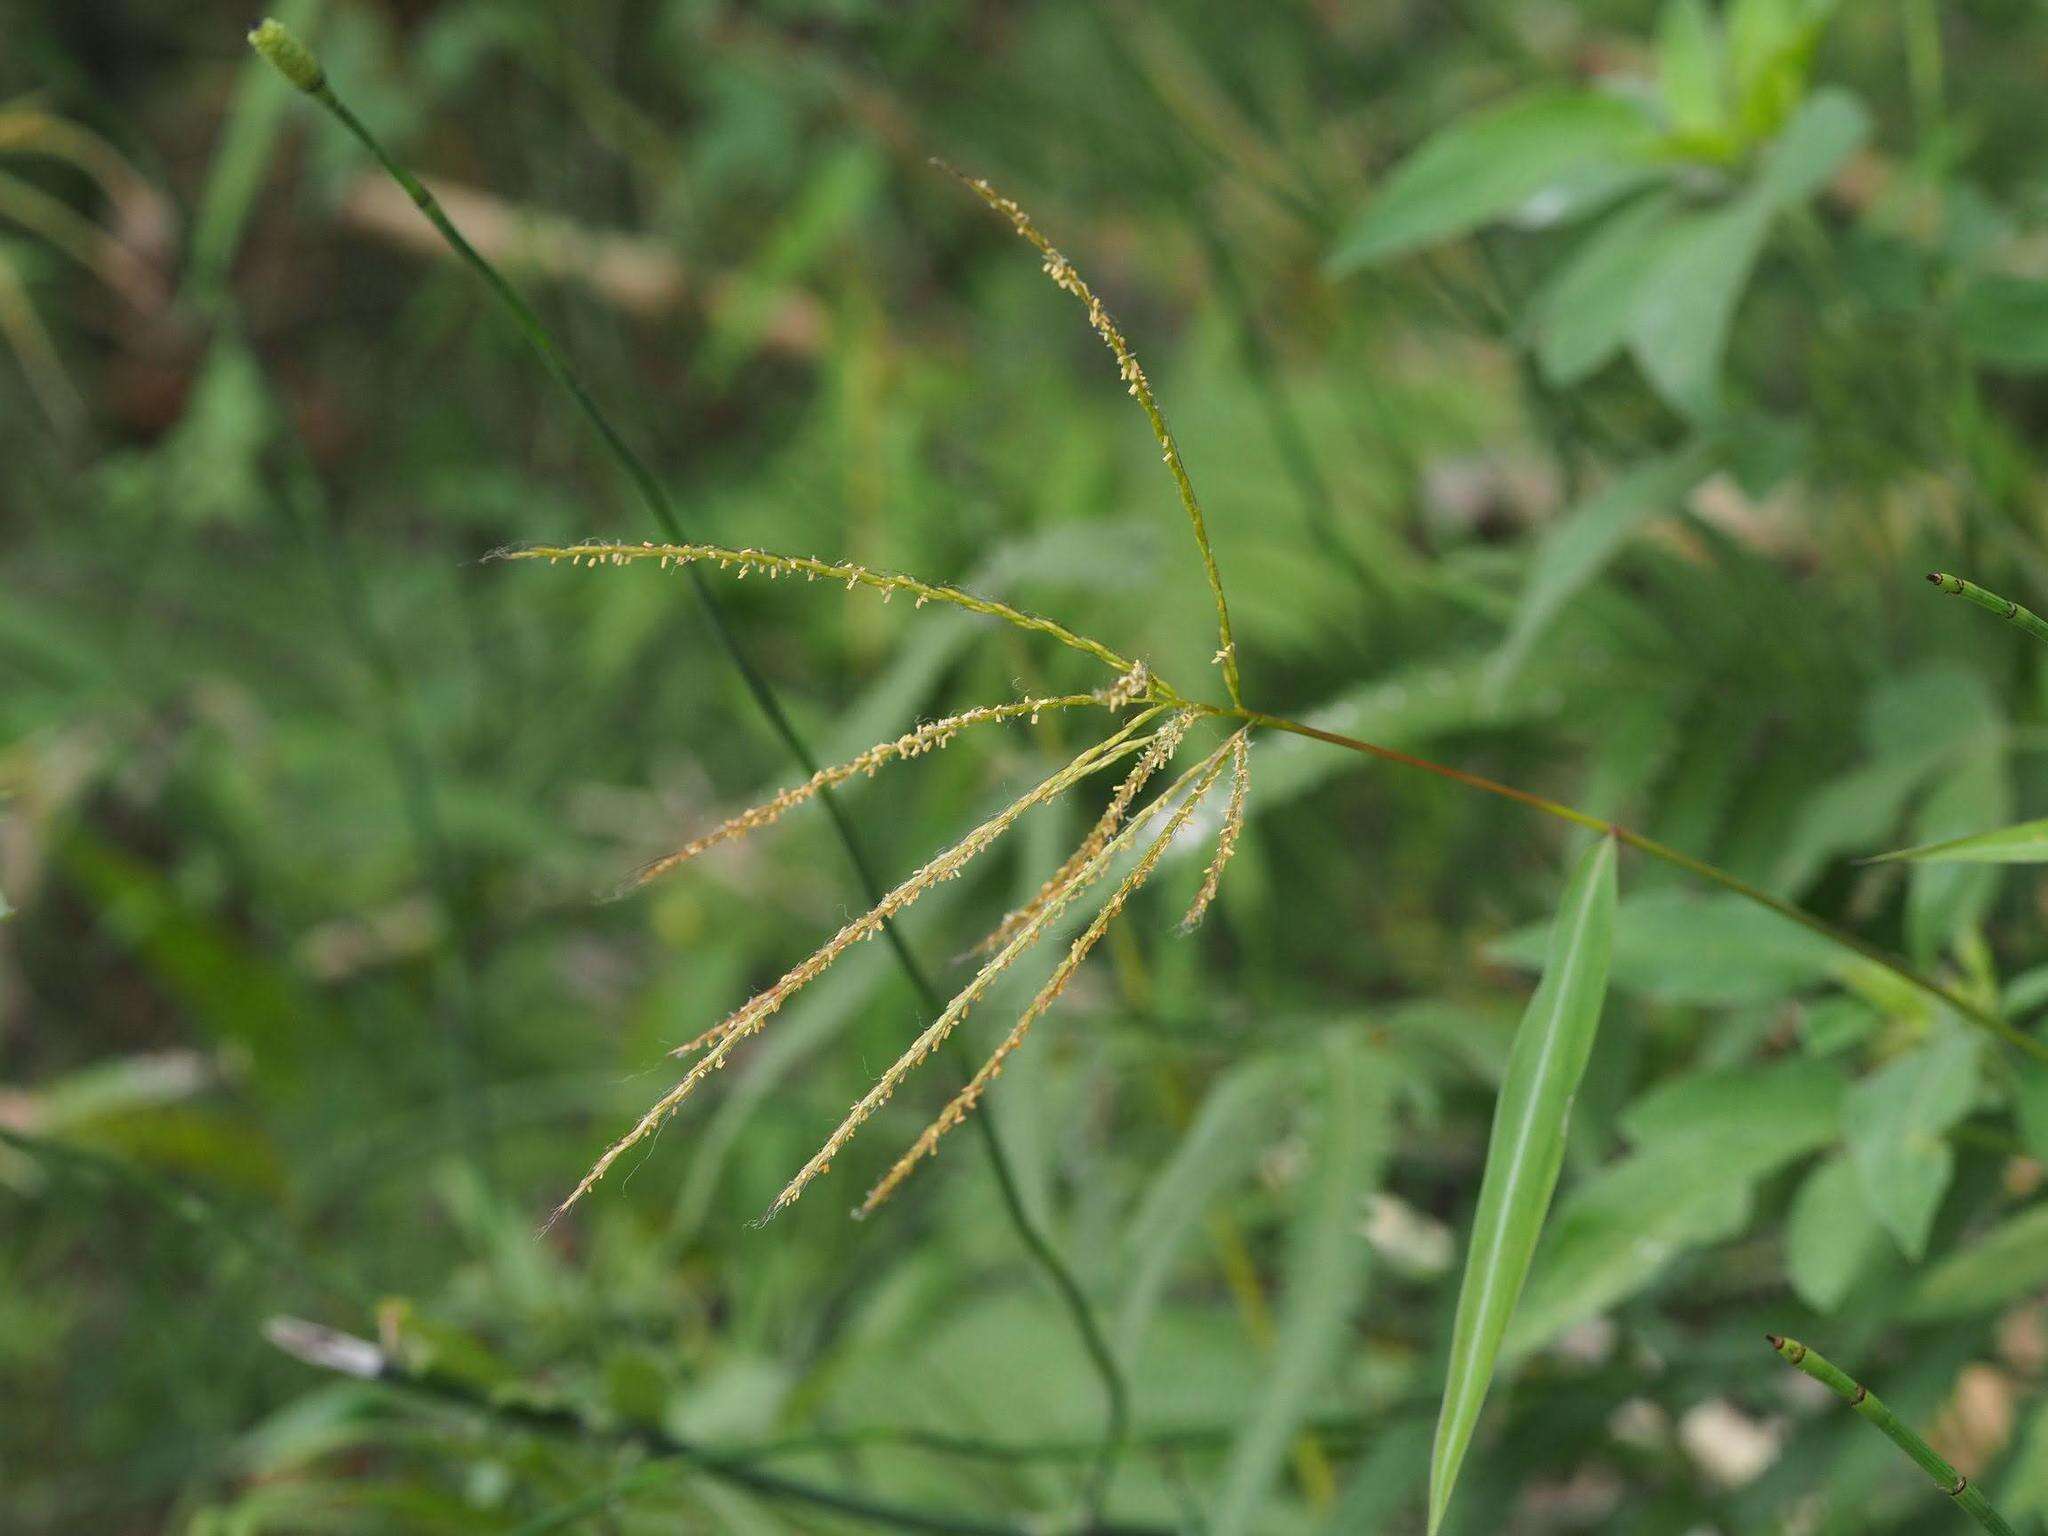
(1901, 1434)
(328, 1350)
(292, 60)
(2004, 607)
(412, 765)
(1974, 1013)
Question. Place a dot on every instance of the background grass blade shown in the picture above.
(1524, 1153)
(1326, 1262)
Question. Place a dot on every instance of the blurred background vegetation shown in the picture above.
(306, 1004)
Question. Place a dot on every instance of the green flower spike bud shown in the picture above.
(287, 55)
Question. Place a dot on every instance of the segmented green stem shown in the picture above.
(2004, 607)
(296, 63)
(1901, 1434)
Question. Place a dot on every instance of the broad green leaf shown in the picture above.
(1617, 1231)
(2009, 1261)
(1524, 1153)
(2025, 843)
(1830, 1235)
(1683, 948)
(1220, 1146)
(1690, 72)
(1580, 543)
(1793, 1103)
(1835, 1023)
(1830, 127)
(1491, 163)
(1580, 314)
(1703, 1144)
(1326, 1264)
(1770, 51)
(2003, 322)
(1678, 327)
(1848, 814)
(1896, 1123)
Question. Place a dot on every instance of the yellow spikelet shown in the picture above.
(963, 1103)
(598, 552)
(755, 1013)
(936, 1032)
(1233, 827)
(929, 737)
(1156, 756)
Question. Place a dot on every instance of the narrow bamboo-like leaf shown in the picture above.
(1524, 1153)
(1326, 1263)
(2024, 843)
(1488, 164)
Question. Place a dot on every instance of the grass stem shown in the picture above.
(1974, 1013)
(322, 1347)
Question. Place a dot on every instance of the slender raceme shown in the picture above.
(608, 552)
(1062, 272)
(1968, 1497)
(2004, 607)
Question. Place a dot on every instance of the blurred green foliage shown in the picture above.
(1577, 393)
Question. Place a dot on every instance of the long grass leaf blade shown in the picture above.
(1524, 1153)
(2024, 843)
